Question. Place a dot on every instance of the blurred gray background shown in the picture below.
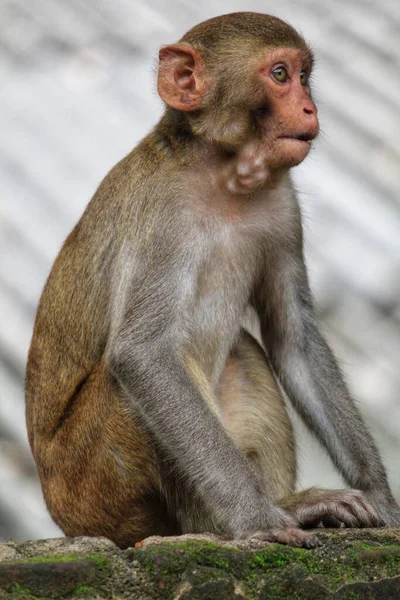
(77, 93)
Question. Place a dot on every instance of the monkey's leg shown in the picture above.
(99, 473)
(254, 414)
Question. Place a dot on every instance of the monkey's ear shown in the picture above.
(181, 77)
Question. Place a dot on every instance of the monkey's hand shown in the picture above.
(332, 508)
(246, 171)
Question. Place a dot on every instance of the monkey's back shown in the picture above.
(72, 321)
(79, 427)
(73, 317)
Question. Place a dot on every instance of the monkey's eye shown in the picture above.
(280, 74)
(303, 78)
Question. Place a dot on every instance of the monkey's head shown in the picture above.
(243, 76)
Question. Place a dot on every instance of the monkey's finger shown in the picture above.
(351, 508)
(372, 519)
(362, 510)
(312, 523)
(366, 518)
(331, 522)
(343, 514)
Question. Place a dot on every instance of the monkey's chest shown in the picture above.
(215, 297)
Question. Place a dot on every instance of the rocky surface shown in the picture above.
(351, 565)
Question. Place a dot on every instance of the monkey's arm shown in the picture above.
(309, 373)
(162, 391)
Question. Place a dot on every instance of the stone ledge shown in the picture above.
(351, 565)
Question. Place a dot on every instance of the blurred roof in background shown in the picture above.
(77, 93)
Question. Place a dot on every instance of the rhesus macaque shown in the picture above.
(151, 408)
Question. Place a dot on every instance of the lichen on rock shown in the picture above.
(353, 564)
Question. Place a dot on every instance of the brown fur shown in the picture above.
(150, 408)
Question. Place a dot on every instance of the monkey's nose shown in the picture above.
(309, 107)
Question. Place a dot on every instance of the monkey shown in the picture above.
(178, 317)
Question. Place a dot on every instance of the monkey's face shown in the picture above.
(289, 122)
(251, 92)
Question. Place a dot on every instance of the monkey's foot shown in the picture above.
(289, 536)
(247, 172)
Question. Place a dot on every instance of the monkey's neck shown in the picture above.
(174, 132)
(173, 135)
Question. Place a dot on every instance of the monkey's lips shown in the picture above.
(295, 147)
(300, 137)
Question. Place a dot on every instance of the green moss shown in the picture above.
(84, 590)
(96, 570)
(369, 556)
(99, 559)
(179, 554)
(22, 592)
(271, 558)
(199, 560)
(213, 554)
(352, 596)
(375, 546)
(281, 569)
(355, 566)
(43, 559)
(212, 570)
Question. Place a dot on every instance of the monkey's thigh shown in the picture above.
(255, 416)
(103, 476)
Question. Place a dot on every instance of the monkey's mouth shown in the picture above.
(301, 137)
